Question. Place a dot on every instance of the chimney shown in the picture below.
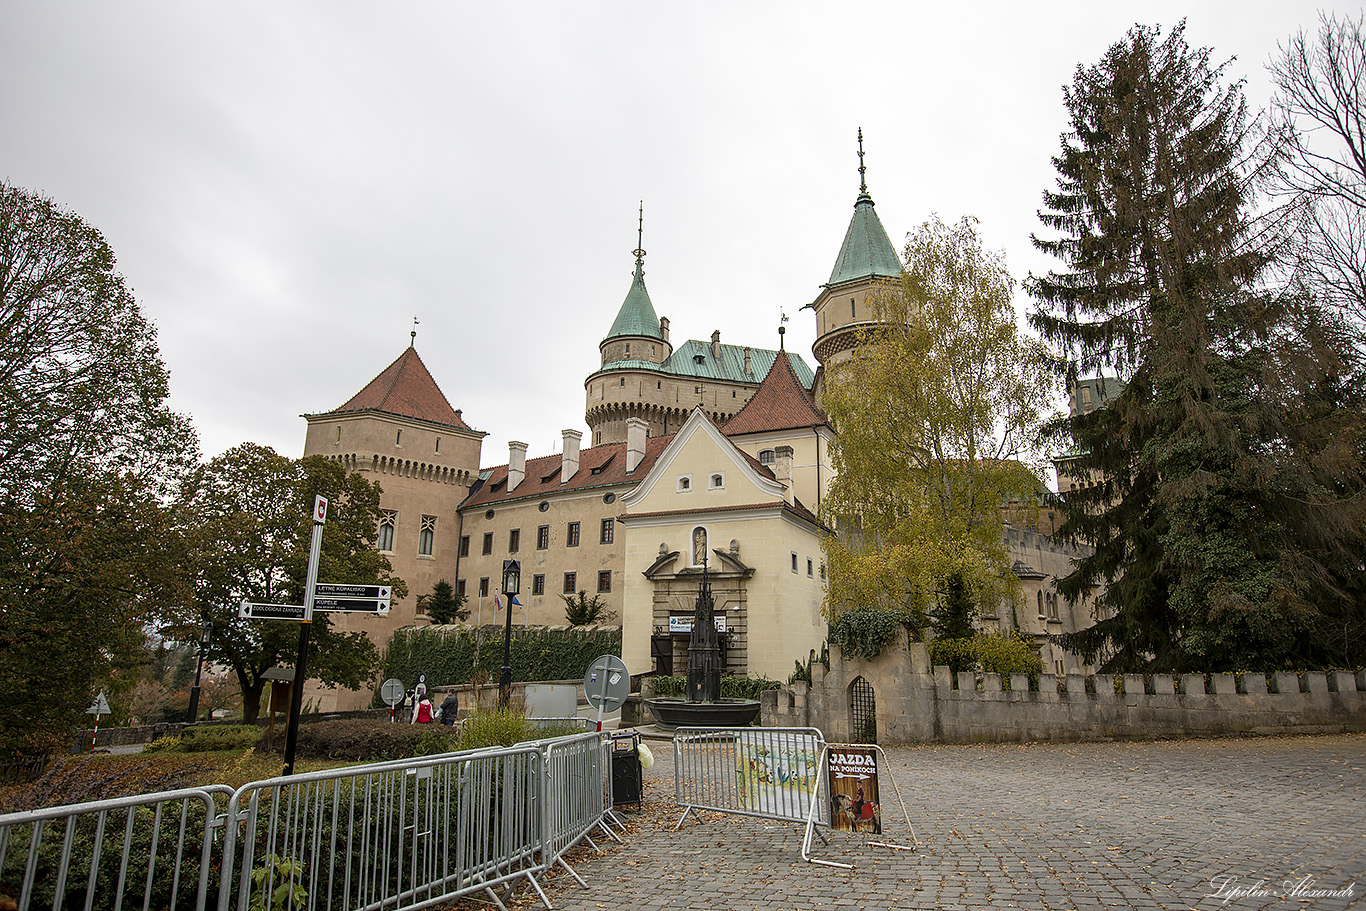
(636, 430)
(569, 461)
(516, 464)
(782, 469)
(748, 372)
(716, 343)
(664, 328)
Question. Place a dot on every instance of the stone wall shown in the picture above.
(916, 703)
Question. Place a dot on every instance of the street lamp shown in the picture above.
(205, 636)
(512, 584)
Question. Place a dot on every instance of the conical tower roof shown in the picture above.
(637, 314)
(780, 403)
(405, 388)
(867, 252)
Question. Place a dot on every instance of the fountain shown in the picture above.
(702, 705)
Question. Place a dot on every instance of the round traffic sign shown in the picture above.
(391, 691)
(607, 683)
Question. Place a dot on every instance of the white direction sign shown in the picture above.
(99, 707)
(254, 611)
(368, 599)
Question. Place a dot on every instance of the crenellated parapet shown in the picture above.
(912, 702)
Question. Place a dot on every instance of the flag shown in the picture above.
(497, 604)
(512, 599)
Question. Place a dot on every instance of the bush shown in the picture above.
(866, 631)
(731, 687)
(226, 738)
(454, 656)
(375, 740)
(991, 653)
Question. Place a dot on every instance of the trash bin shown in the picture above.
(626, 774)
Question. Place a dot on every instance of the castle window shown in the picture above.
(794, 561)
(543, 537)
(572, 538)
(514, 540)
(438, 444)
(605, 580)
(658, 384)
(484, 587)
(427, 537)
(623, 381)
(766, 457)
(488, 542)
(684, 483)
(1040, 597)
(338, 433)
(853, 313)
(386, 530)
(628, 349)
(608, 531)
(398, 438)
(538, 584)
(810, 568)
(464, 545)
(716, 482)
(571, 583)
(460, 587)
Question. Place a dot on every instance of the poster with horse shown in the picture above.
(854, 805)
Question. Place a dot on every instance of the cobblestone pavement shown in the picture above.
(1048, 826)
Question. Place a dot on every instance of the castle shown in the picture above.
(707, 455)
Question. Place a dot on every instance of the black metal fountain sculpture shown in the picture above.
(702, 705)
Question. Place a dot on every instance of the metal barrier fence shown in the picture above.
(400, 834)
(766, 772)
(394, 835)
(575, 800)
(152, 850)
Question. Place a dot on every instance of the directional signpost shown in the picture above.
(255, 611)
(363, 599)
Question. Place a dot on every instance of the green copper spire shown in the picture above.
(867, 252)
(637, 315)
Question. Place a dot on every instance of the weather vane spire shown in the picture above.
(782, 330)
(412, 336)
(862, 183)
(639, 238)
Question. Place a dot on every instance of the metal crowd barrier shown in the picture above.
(576, 801)
(151, 850)
(403, 834)
(766, 772)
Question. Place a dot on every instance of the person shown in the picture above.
(450, 707)
(422, 711)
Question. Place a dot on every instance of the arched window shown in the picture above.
(766, 457)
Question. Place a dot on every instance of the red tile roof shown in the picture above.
(543, 474)
(780, 403)
(406, 389)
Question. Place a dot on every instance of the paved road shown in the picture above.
(1064, 826)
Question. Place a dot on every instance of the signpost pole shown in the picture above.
(300, 665)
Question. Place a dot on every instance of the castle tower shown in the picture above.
(401, 432)
(642, 375)
(866, 258)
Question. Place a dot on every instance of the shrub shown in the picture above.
(866, 631)
(226, 738)
(731, 687)
(453, 656)
(990, 652)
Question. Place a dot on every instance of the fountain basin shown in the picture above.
(672, 712)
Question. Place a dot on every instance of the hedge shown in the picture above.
(451, 656)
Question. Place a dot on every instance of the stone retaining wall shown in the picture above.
(916, 703)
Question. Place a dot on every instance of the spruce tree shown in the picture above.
(1164, 288)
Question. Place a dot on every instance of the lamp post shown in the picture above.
(512, 584)
(205, 636)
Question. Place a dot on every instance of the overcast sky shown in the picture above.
(287, 185)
